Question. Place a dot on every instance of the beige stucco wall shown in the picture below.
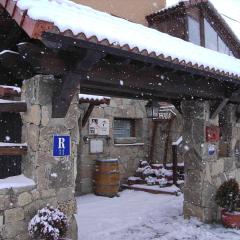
(133, 10)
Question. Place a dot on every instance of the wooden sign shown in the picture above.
(166, 113)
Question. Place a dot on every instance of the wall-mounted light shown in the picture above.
(152, 109)
(86, 139)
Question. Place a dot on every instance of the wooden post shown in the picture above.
(169, 126)
(87, 114)
(175, 163)
(152, 147)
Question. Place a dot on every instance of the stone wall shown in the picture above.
(128, 154)
(54, 177)
(206, 171)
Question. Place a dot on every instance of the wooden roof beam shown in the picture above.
(15, 64)
(12, 149)
(51, 40)
(70, 82)
(218, 108)
(87, 114)
(42, 59)
(12, 106)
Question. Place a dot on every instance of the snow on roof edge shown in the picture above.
(121, 32)
(92, 97)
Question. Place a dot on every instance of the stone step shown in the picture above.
(171, 190)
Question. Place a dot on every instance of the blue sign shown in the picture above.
(211, 150)
(61, 146)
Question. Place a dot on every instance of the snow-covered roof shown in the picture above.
(17, 89)
(86, 98)
(229, 11)
(92, 97)
(81, 22)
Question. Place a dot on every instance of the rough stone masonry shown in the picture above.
(206, 170)
(54, 177)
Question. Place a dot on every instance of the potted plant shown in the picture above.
(227, 197)
(48, 224)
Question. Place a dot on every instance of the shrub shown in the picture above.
(49, 223)
(227, 195)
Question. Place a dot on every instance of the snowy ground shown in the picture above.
(142, 216)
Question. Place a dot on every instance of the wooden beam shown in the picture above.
(155, 80)
(12, 149)
(175, 164)
(167, 141)
(152, 146)
(112, 90)
(64, 94)
(70, 81)
(218, 108)
(12, 106)
(42, 59)
(50, 38)
(136, 75)
(177, 105)
(87, 114)
(15, 64)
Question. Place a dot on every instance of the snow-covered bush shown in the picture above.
(150, 180)
(227, 195)
(49, 223)
(163, 182)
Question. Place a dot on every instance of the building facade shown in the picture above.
(132, 10)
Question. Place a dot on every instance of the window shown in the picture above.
(222, 47)
(124, 128)
(194, 31)
(214, 41)
(211, 36)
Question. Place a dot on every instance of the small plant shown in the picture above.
(49, 223)
(227, 195)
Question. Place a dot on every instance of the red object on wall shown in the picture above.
(212, 134)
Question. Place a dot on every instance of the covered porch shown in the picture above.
(57, 59)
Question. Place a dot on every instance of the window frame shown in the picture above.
(188, 29)
(132, 127)
(201, 16)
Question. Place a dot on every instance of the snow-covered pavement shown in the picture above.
(142, 216)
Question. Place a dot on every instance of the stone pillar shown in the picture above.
(200, 166)
(230, 142)
(54, 177)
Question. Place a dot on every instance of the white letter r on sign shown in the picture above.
(61, 143)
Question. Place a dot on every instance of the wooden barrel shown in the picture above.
(107, 177)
